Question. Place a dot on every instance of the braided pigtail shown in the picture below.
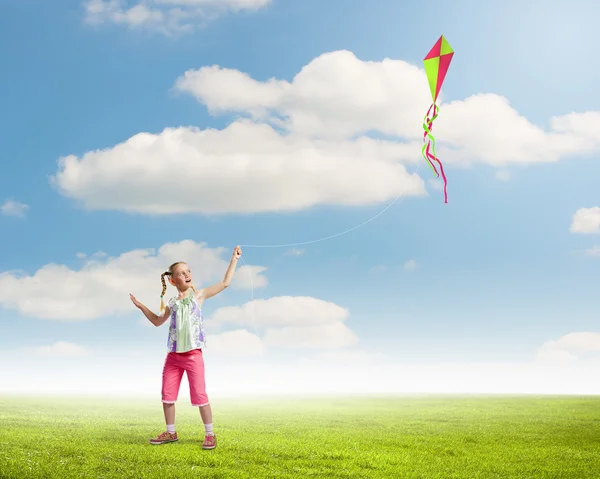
(164, 289)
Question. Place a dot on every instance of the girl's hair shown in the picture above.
(169, 272)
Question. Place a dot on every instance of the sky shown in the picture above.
(136, 133)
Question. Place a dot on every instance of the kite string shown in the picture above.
(325, 238)
(252, 300)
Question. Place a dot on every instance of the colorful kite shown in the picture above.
(436, 64)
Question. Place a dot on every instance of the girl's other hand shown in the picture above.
(135, 301)
(237, 252)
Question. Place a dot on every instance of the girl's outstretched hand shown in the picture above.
(237, 252)
(135, 301)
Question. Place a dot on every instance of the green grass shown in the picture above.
(404, 437)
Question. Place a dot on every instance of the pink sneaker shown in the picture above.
(210, 442)
(164, 438)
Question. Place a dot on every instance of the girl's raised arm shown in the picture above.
(221, 285)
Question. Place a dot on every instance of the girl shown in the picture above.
(185, 342)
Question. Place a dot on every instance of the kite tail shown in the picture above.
(427, 123)
(430, 156)
(434, 158)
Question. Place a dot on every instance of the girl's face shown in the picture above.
(181, 277)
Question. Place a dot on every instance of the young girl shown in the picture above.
(185, 342)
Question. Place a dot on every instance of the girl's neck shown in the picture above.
(183, 294)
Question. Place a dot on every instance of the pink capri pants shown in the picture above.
(192, 363)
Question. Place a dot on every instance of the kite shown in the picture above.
(436, 65)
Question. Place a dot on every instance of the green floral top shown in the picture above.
(186, 330)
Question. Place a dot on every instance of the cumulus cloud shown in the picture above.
(312, 140)
(338, 95)
(244, 168)
(165, 16)
(586, 220)
(101, 286)
(13, 208)
(436, 184)
(237, 343)
(570, 347)
(335, 96)
(331, 335)
(290, 322)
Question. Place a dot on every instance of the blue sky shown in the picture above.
(499, 274)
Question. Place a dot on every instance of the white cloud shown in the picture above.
(586, 220)
(331, 335)
(290, 322)
(335, 96)
(570, 347)
(309, 141)
(101, 286)
(244, 168)
(238, 343)
(436, 184)
(338, 96)
(295, 252)
(97, 254)
(410, 265)
(120, 12)
(61, 349)
(282, 311)
(165, 16)
(13, 208)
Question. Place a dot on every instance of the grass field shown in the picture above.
(403, 437)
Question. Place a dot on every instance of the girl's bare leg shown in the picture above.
(205, 414)
(169, 410)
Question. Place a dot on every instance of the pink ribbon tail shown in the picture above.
(434, 158)
(429, 122)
